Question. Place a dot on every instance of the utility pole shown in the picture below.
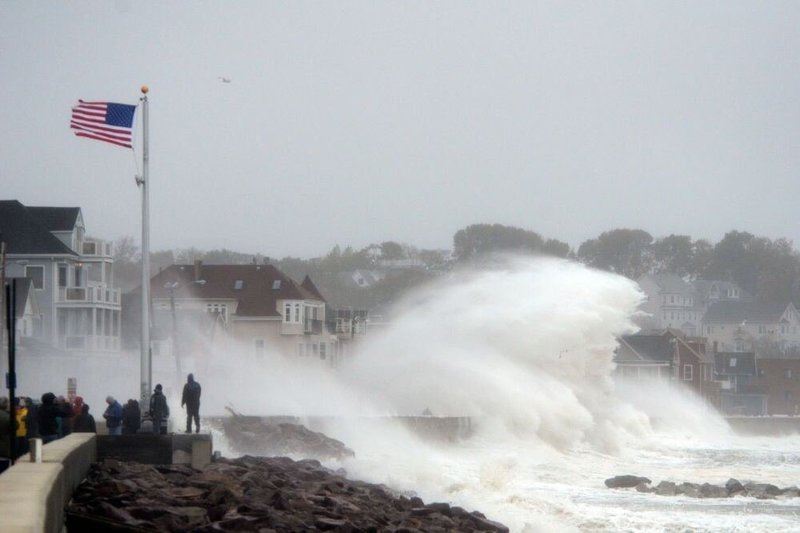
(10, 291)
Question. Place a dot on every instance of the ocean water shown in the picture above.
(525, 349)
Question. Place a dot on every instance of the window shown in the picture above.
(237, 285)
(258, 347)
(297, 313)
(688, 372)
(79, 275)
(276, 285)
(787, 374)
(62, 275)
(287, 313)
(220, 309)
(36, 273)
(762, 329)
(787, 395)
(323, 348)
(732, 362)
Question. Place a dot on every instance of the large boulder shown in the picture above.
(625, 481)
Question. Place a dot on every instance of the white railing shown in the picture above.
(91, 343)
(99, 295)
(96, 249)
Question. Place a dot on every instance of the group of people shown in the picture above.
(127, 420)
(55, 417)
(51, 418)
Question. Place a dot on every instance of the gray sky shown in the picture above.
(359, 122)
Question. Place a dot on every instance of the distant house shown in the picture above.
(77, 307)
(710, 292)
(361, 279)
(738, 326)
(256, 307)
(674, 303)
(740, 395)
(668, 355)
(780, 381)
(671, 303)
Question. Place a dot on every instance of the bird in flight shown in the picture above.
(224, 80)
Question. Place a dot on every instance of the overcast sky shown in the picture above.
(359, 122)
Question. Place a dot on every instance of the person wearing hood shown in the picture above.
(49, 414)
(84, 422)
(159, 411)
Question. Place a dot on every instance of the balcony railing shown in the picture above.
(90, 343)
(96, 249)
(94, 295)
(312, 326)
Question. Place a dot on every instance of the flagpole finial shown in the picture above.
(145, 89)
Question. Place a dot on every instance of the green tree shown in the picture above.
(478, 239)
(673, 254)
(624, 251)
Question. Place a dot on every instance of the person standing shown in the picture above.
(5, 435)
(22, 428)
(84, 422)
(49, 414)
(113, 416)
(191, 399)
(131, 417)
(159, 411)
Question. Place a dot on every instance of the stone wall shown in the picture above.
(33, 496)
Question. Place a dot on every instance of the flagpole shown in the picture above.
(146, 354)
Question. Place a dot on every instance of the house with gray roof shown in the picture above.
(739, 326)
(254, 307)
(672, 302)
(72, 277)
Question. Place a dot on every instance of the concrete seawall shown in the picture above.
(33, 496)
(765, 425)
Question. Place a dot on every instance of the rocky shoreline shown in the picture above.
(265, 494)
(733, 487)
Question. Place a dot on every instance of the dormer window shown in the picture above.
(237, 286)
(276, 285)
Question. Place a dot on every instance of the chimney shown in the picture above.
(198, 270)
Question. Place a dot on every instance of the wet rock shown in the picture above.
(713, 491)
(253, 435)
(260, 494)
(734, 487)
(691, 490)
(624, 482)
(762, 491)
(666, 488)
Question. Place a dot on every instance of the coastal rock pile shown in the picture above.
(254, 436)
(253, 494)
(733, 487)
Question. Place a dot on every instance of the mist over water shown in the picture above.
(525, 349)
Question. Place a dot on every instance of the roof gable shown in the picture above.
(25, 233)
(256, 288)
(737, 312)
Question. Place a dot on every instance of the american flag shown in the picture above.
(104, 121)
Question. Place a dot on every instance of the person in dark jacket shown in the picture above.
(113, 416)
(159, 411)
(49, 413)
(191, 399)
(131, 417)
(84, 422)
